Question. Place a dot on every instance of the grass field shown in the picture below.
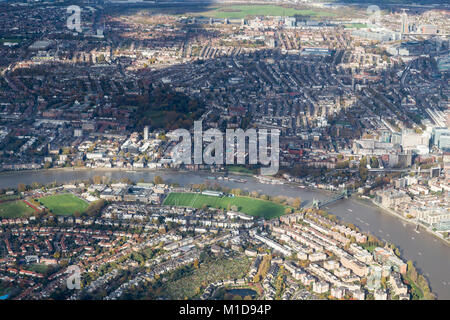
(64, 204)
(240, 169)
(243, 11)
(15, 209)
(251, 206)
(37, 267)
(12, 40)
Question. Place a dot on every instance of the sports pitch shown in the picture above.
(250, 206)
(64, 204)
(15, 209)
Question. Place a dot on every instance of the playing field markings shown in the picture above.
(31, 205)
(194, 199)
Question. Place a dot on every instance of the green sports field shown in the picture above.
(39, 268)
(15, 209)
(251, 206)
(64, 204)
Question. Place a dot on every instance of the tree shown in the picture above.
(383, 282)
(363, 171)
(158, 180)
(95, 208)
(126, 180)
(97, 179)
(412, 271)
(297, 203)
(278, 199)
(101, 58)
(288, 210)
(374, 162)
(236, 192)
(254, 194)
(21, 187)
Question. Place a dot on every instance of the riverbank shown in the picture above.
(69, 169)
(324, 192)
(399, 216)
(432, 257)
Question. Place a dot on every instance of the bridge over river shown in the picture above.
(320, 204)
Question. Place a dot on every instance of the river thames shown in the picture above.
(430, 255)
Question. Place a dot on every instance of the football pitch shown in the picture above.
(64, 204)
(247, 205)
(15, 209)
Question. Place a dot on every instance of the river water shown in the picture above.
(430, 255)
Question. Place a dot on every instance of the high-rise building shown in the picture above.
(146, 132)
(404, 23)
(405, 159)
(289, 22)
(396, 138)
(385, 136)
(441, 138)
